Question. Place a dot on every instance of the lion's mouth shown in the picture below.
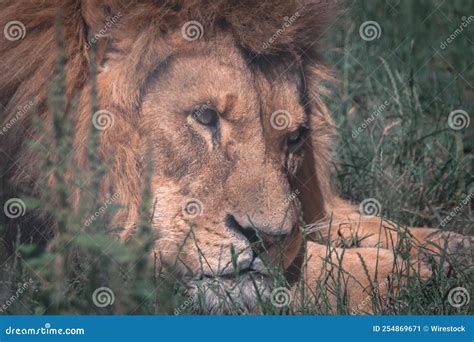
(256, 268)
(245, 292)
(240, 291)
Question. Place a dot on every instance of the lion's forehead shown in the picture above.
(224, 79)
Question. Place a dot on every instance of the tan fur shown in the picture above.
(149, 77)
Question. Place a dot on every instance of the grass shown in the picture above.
(408, 157)
(398, 89)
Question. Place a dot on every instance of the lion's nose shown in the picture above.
(257, 237)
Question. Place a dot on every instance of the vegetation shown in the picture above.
(392, 105)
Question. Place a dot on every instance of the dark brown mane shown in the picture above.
(295, 26)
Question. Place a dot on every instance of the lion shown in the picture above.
(225, 100)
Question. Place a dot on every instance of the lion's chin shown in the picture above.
(245, 293)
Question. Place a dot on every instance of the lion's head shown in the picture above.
(221, 98)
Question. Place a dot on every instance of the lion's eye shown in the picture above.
(206, 116)
(296, 139)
